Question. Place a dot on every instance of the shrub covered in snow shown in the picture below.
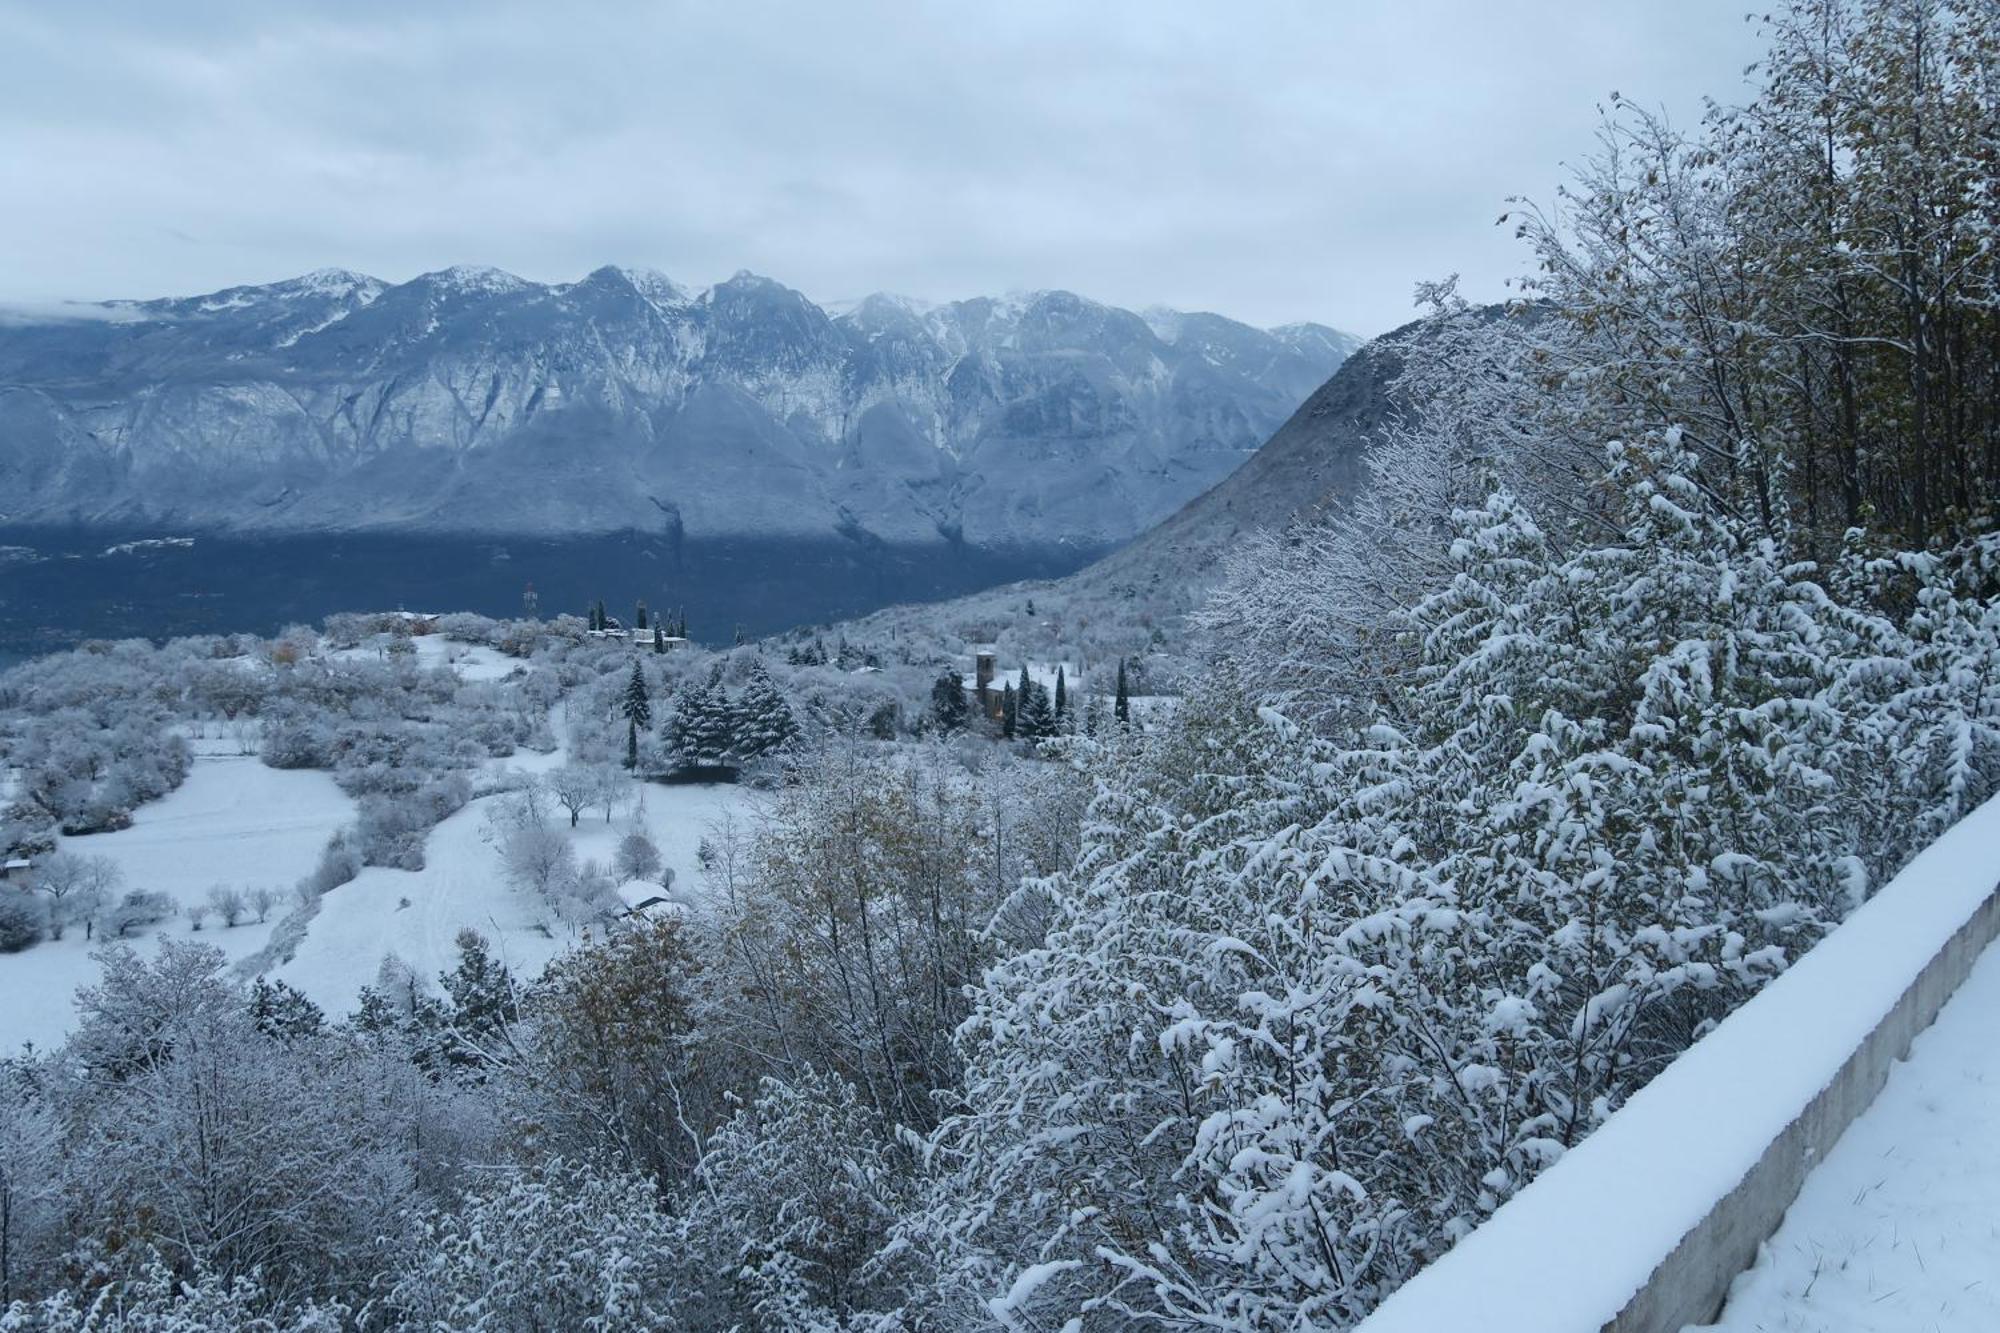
(22, 921)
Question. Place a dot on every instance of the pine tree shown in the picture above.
(1062, 695)
(702, 731)
(1035, 717)
(283, 1013)
(764, 722)
(483, 1001)
(949, 711)
(1121, 707)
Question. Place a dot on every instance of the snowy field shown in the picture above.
(232, 822)
(236, 822)
(472, 661)
(416, 915)
(1898, 1230)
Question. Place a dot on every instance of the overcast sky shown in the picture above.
(1271, 161)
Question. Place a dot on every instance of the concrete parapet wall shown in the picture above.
(1643, 1226)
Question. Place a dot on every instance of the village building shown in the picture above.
(642, 638)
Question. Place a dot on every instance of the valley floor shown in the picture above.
(236, 822)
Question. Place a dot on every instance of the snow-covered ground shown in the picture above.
(416, 915)
(1628, 1195)
(236, 822)
(1898, 1229)
(232, 822)
(471, 661)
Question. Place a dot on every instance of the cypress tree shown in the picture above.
(1007, 711)
(1122, 708)
(1062, 694)
(659, 638)
(639, 617)
(638, 709)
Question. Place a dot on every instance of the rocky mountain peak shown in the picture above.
(469, 399)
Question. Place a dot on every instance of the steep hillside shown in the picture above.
(1135, 598)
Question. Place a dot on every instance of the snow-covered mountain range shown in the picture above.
(473, 401)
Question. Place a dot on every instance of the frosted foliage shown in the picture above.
(1312, 1005)
(566, 1247)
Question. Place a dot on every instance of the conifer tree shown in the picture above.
(659, 638)
(282, 1012)
(701, 733)
(1034, 716)
(484, 1001)
(1062, 695)
(638, 709)
(949, 711)
(764, 722)
(1009, 706)
(639, 616)
(1121, 707)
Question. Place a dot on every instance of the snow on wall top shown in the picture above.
(1568, 1252)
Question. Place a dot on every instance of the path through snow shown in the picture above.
(1898, 1229)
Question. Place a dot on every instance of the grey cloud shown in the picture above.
(66, 312)
(1278, 161)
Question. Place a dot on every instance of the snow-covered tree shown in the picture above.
(563, 1246)
(77, 886)
(787, 1218)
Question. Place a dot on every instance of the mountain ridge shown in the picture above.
(472, 400)
(1135, 600)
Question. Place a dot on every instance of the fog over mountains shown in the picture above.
(471, 401)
